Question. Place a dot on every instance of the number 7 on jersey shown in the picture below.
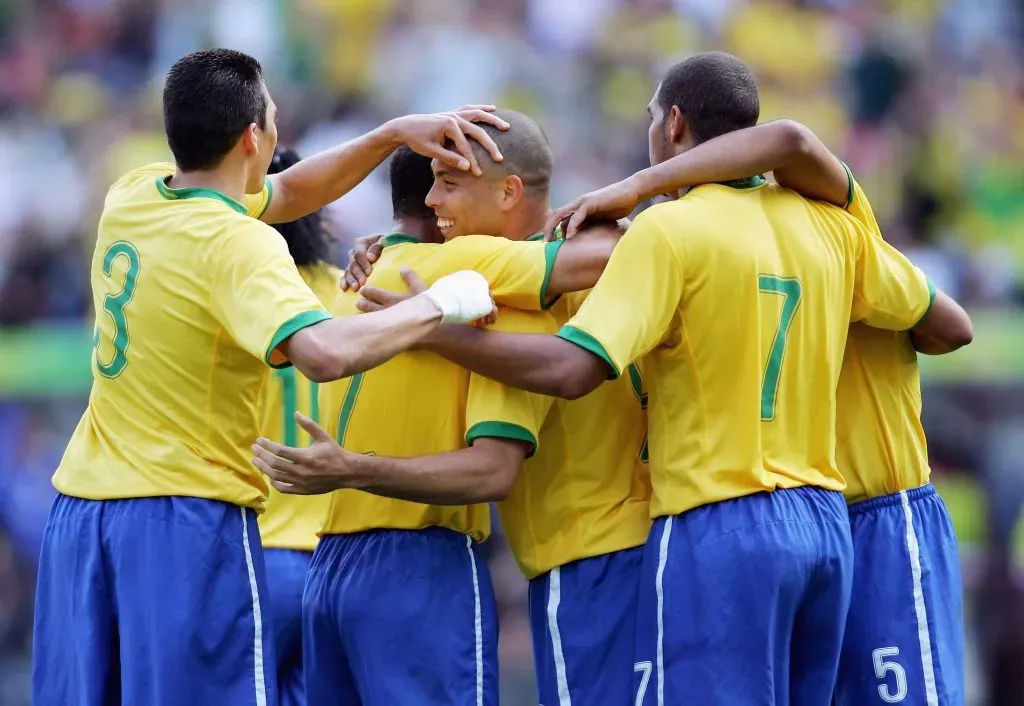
(790, 288)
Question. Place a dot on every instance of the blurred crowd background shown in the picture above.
(923, 98)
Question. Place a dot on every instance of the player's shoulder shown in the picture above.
(324, 279)
(149, 172)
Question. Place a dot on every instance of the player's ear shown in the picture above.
(250, 138)
(676, 126)
(513, 191)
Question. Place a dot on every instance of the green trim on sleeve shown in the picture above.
(269, 186)
(501, 430)
(290, 328)
(590, 344)
(850, 188)
(194, 192)
(932, 292)
(550, 254)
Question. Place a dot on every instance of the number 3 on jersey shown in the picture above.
(790, 288)
(114, 305)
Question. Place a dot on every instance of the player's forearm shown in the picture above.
(462, 477)
(545, 365)
(345, 346)
(580, 262)
(325, 177)
(797, 157)
(945, 328)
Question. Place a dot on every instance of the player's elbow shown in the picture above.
(578, 376)
(798, 138)
(315, 359)
(946, 326)
(501, 461)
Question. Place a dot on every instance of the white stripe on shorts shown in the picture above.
(659, 587)
(478, 625)
(257, 616)
(554, 598)
(923, 636)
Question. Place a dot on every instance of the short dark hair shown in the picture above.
(308, 240)
(411, 181)
(525, 149)
(716, 93)
(209, 99)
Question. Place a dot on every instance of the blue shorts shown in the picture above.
(400, 617)
(156, 601)
(905, 634)
(583, 623)
(286, 578)
(744, 601)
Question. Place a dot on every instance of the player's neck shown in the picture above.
(520, 225)
(223, 181)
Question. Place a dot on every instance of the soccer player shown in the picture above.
(578, 518)
(290, 523)
(152, 586)
(904, 638)
(577, 514)
(737, 297)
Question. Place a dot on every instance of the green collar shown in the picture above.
(748, 183)
(194, 192)
(397, 239)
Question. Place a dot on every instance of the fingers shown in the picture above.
(479, 116)
(312, 428)
(480, 135)
(555, 219)
(377, 296)
(412, 279)
(367, 306)
(350, 282)
(364, 264)
(576, 220)
(373, 253)
(272, 448)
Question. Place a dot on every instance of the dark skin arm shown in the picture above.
(483, 472)
(578, 266)
(799, 160)
(542, 364)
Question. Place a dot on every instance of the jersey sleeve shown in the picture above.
(497, 411)
(256, 204)
(889, 291)
(630, 309)
(259, 295)
(518, 272)
(858, 206)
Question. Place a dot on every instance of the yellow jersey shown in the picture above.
(880, 443)
(587, 491)
(418, 403)
(741, 322)
(292, 521)
(193, 297)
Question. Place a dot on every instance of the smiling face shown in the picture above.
(466, 204)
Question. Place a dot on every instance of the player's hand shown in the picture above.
(463, 297)
(612, 202)
(428, 134)
(374, 299)
(314, 470)
(365, 251)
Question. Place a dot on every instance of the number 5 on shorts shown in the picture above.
(789, 288)
(882, 667)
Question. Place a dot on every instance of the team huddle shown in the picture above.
(701, 430)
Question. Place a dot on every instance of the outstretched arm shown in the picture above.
(325, 177)
(483, 472)
(337, 348)
(546, 365)
(792, 151)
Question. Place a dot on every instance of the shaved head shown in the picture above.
(525, 149)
